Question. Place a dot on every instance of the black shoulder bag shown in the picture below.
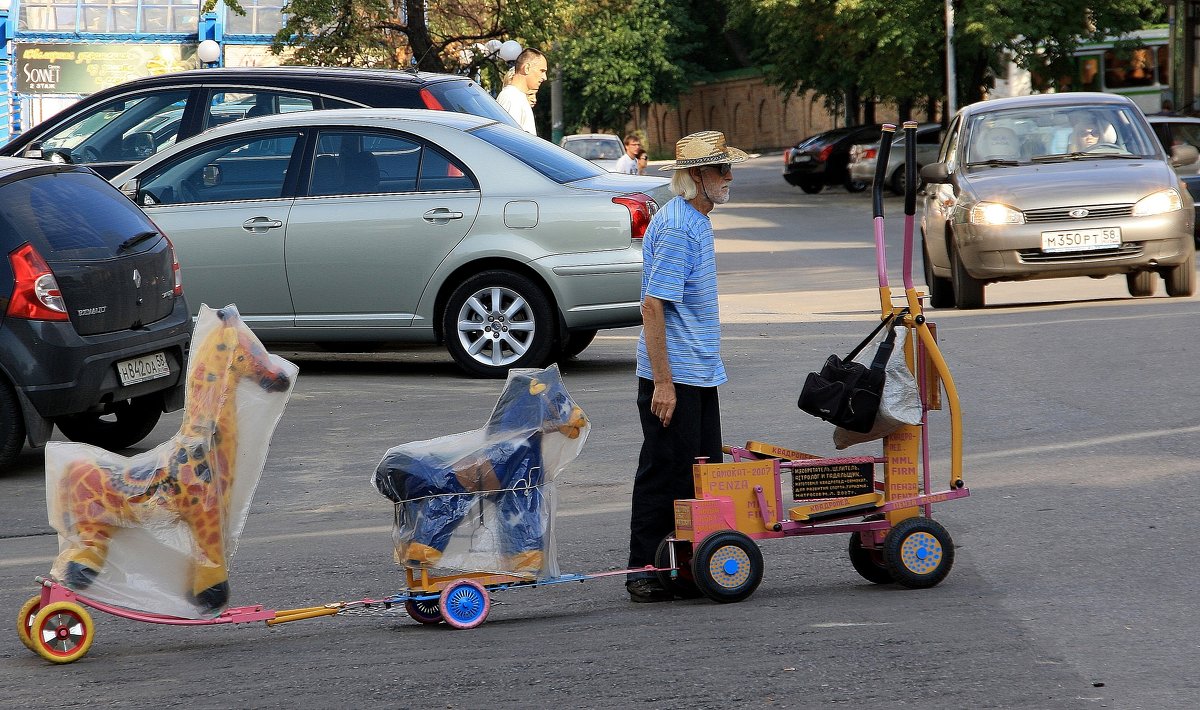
(847, 393)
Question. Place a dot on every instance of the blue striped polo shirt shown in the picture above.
(679, 267)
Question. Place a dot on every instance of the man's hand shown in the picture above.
(662, 402)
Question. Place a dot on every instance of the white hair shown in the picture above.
(683, 184)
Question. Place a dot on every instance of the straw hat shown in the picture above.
(704, 148)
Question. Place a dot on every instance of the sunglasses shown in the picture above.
(1089, 130)
(724, 168)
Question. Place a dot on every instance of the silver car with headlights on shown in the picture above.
(1055, 185)
(366, 226)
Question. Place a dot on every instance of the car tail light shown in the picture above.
(825, 153)
(430, 100)
(641, 208)
(869, 154)
(35, 295)
(177, 289)
(787, 155)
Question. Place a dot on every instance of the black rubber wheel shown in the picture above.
(684, 584)
(869, 562)
(941, 291)
(128, 423)
(12, 426)
(575, 342)
(1181, 279)
(918, 552)
(968, 291)
(498, 320)
(811, 188)
(1141, 283)
(727, 566)
(424, 611)
(853, 185)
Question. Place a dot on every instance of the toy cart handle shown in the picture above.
(881, 161)
(910, 198)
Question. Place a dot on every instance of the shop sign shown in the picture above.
(88, 68)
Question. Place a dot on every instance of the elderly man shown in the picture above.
(518, 97)
(678, 358)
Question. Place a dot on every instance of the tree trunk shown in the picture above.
(419, 40)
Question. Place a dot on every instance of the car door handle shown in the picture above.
(261, 224)
(440, 214)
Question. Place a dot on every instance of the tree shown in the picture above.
(840, 49)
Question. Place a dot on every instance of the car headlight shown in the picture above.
(1158, 203)
(994, 214)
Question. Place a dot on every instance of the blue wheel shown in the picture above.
(727, 566)
(465, 604)
(918, 552)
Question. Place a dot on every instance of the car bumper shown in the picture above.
(863, 171)
(60, 372)
(1014, 252)
(596, 290)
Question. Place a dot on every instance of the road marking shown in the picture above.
(840, 624)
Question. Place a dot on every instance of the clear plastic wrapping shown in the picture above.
(156, 531)
(484, 500)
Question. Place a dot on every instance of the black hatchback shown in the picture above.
(93, 324)
(824, 159)
(111, 130)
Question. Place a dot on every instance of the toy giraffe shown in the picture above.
(191, 479)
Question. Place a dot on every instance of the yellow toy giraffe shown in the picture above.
(187, 480)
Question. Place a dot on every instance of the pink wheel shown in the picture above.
(465, 604)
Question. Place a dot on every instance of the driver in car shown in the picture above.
(1085, 135)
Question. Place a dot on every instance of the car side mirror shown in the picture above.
(33, 150)
(130, 189)
(1184, 154)
(211, 175)
(935, 173)
(138, 145)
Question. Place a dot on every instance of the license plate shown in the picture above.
(140, 369)
(1081, 239)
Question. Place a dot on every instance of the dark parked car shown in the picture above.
(94, 332)
(824, 159)
(111, 130)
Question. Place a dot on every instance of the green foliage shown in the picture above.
(894, 50)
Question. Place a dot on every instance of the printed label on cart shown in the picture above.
(835, 480)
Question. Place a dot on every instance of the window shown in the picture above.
(122, 129)
(543, 156)
(263, 17)
(244, 168)
(230, 106)
(355, 162)
(70, 212)
(1129, 68)
(109, 16)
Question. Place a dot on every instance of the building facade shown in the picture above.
(57, 51)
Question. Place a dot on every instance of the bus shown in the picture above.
(1137, 65)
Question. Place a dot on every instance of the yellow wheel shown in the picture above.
(25, 621)
(62, 632)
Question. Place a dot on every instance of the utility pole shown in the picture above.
(951, 81)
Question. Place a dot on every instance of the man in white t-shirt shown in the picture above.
(627, 163)
(529, 73)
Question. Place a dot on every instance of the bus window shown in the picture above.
(1126, 69)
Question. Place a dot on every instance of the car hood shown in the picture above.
(1081, 182)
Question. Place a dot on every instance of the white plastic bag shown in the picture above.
(900, 403)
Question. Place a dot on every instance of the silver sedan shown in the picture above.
(366, 226)
(1050, 186)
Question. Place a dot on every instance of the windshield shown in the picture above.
(467, 97)
(1057, 133)
(561, 166)
(596, 148)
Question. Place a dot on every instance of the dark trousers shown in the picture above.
(664, 471)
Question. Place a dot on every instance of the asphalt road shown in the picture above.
(1072, 586)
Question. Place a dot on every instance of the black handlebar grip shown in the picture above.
(881, 161)
(910, 167)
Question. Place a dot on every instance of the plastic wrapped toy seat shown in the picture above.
(156, 531)
(483, 500)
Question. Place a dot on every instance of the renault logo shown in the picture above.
(137, 279)
(1079, 213)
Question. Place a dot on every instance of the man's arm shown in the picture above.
(662, 403)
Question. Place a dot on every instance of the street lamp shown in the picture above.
(208, 51)
(509, 51)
